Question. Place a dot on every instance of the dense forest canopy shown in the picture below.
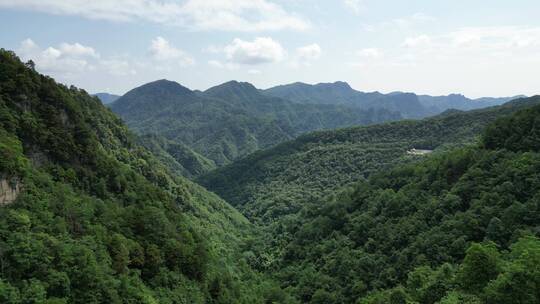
(270, 184)
(234, 119)
(98, 218)
(459, 227)
(230, 120)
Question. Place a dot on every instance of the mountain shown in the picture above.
(90, 216)
(322, 93)
(459, 227)
(230, 120)
(458, 101)
(107, 98)
(409, 105)
(270, 184)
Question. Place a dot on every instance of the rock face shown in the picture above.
(9, 190)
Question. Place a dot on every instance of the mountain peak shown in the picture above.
(164, 85)
(153, 96)
(233, 88)
(342, 84)
(235, 85)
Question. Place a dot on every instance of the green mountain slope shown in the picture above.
(437, 231)
(230, 120)
(177, 157)
(89, 216)
(270, 184)
(459, 227)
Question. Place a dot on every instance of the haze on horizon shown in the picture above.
(485, 48)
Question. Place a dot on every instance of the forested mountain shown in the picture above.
(441, 210)
(461, 226)
(107, 98)
(89, 216)
(270, 184)
(230, 120)
(409, 105)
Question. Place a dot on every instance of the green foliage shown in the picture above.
(270, 184)
(179, 158)
(481, 265)
(228, 121)
(435, 227)
(99, 219)
(520, 132)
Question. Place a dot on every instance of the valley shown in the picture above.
(294, 194)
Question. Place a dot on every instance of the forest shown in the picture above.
(100, 219)
(105, 215)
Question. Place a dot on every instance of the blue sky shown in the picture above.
(478, 48)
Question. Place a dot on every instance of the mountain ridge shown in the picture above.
(231, 119)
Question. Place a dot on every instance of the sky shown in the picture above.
(474, 47)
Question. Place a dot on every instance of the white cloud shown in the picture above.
(77, 50)
(66, 59)
(162, 50)
(260, 50)
(485, 41)
(69, 60)
(355, 5)
(473, 60)
(228, 15)
(309, 52)
(254, 72)
(305, 55)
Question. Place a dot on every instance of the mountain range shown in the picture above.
(234, 119)
(439, 210)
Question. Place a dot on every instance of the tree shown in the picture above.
(481, 265)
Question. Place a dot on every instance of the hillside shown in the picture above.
(270, 184)
(89, 216)
(409, 105)
(461, 226)
(230, 120)
(180, 159)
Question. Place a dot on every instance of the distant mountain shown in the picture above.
(232, 119)
(107, 98)
(409, 105)
(322, 93)
(436, 104)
